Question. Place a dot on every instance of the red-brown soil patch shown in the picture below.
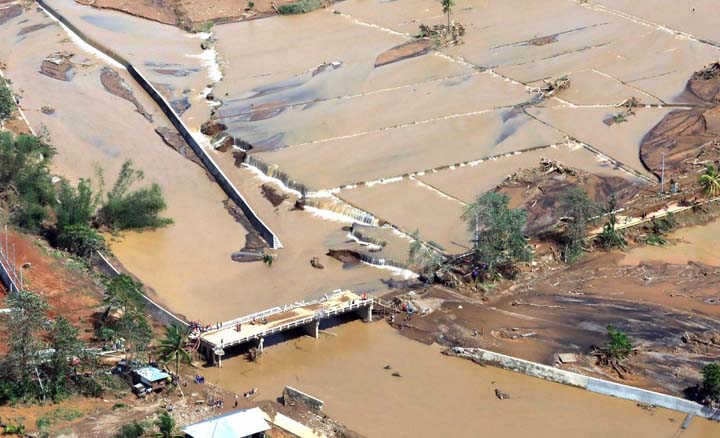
(539, 191)
(685, 135)
(69, 290)
(190, 14)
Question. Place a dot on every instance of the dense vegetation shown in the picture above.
(26, 187)
(500, 243)
(45, 358)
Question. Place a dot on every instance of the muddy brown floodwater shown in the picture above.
(694, 244)
(436, 395)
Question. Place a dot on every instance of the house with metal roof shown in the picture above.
(247, 423)
(151, 377)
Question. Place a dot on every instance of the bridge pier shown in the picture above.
(365, 313)
(312, 329)
(260, 343)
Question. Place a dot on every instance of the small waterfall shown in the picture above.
(367, 239)
(274, 172)
(335, 205)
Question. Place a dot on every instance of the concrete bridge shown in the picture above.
(303, 315)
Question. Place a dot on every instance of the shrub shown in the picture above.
(80, 240)
(7, 103)
(132, 430)
(619, 345)
(300, 7)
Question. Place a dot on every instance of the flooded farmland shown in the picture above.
(339, 117)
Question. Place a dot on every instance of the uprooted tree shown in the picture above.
(616, 350)
(125, 209)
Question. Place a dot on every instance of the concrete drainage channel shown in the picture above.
(206, 159)
(591, 384)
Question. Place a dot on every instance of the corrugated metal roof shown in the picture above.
(152, 374)
(234, 425)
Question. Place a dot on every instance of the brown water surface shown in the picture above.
(436, 395)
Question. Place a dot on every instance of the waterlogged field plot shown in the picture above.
(412, 205)
(328, 117)
(469, 181)
(170, 58)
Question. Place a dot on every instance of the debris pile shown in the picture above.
(58, 66)
(711, 71)
(442, 34)
(551, 88)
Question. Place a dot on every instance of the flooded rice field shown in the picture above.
(373, 130)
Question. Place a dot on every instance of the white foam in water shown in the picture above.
(82, 44)
(330, 215)
(406, 274)
(209, 61)
(265, 178)
(370, 246)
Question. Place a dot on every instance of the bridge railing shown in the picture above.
(316, 316)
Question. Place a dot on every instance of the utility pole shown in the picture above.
(662, 174)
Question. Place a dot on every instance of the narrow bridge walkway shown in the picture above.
(305, 315)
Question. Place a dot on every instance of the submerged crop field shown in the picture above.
(533, 179)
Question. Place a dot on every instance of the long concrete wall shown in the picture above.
(158, 312)
(591, 384)
(182, 129)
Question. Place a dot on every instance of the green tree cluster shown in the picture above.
(500, 244)
(43, 355)
(26, 188)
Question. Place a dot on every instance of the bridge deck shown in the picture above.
(277, 320)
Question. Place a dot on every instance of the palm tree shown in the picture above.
(172, 346)
(710, 181)
(447, 6)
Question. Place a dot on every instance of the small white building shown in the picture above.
(248, 423)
